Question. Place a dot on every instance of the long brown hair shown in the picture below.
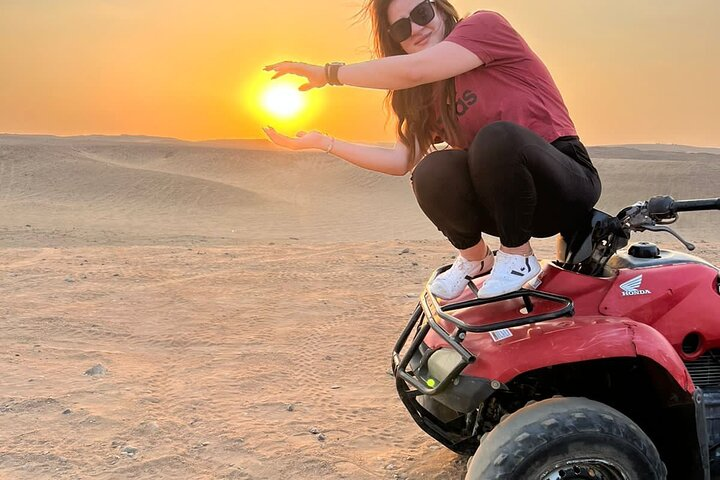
(415, 108)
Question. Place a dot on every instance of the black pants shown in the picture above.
(511, 183)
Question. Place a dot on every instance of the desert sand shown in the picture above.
(177, 310)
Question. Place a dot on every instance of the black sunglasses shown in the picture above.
(421, 15)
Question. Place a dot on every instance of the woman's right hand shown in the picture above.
(302, 141)
(315, 74)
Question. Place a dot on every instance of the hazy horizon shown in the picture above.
(265, 140)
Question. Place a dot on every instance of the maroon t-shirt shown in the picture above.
(512, 84)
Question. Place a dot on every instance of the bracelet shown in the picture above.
(327, 73)
(332, 144)
(331, 73)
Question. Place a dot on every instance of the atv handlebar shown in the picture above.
(696, 205)
(660, 211)
(666, 207)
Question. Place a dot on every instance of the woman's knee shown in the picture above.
(436, 170)
(500, 132)
(497, 143)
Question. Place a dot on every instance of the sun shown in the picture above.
(282, 101)
(279, 103)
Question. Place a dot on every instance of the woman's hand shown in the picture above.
(302, 141)
(314, 74)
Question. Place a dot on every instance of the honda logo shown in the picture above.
(632, 287)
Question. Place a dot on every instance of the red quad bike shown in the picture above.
(605, 367)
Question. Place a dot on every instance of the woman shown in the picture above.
(516, 169)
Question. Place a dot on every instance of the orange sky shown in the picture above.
(630, 71)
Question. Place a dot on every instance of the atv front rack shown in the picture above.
(427, 316)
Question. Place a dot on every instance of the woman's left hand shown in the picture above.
(315, 74)
(302, 141)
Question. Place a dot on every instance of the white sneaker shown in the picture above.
(509, 274)
(452, 282)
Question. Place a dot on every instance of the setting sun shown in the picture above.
(283, 101)
(279, 103)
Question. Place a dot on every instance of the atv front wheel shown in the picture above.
(568, 439)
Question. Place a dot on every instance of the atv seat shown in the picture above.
(587, 249)
(577, 246)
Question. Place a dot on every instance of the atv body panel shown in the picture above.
(671, 303)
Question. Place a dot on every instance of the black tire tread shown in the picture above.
(534, 426)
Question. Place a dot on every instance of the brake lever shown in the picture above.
(663, 228)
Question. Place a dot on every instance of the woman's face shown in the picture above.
(421, 37)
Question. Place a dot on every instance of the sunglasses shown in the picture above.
(420, 15)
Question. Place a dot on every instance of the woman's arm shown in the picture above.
(439, 62)
(391, 161)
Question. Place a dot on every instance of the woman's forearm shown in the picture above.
(442, 61)
(388, 73)
(391, 161)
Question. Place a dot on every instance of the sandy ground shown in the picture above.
(239, 309)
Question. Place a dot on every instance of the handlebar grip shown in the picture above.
(661, 206)
(695, 205)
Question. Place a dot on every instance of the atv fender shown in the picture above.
(569, 341)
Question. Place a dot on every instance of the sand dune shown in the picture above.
(129, 189)
(659, 147)
(242, 304)
(133, 187)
